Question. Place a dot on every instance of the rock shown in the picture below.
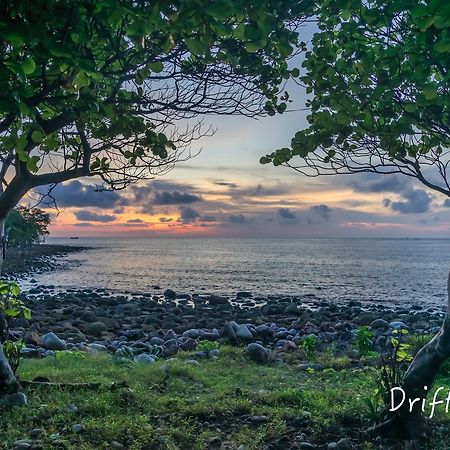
(21, 445)
(379, 323)
(292, 309)
(156, 341)
(307, 366)
(258, 419)
(32, 337)
(188, 344)
(215, 300)
(307, 446)
(244, 333)
(193, 362)
(51, 341)
(97, 347)
(214, 353)
(243, 294)
(398, 325)
(170, 294)
(72, 409)
(96, 329)
(144, 358)
(342, 444)
(16, 399)
(78, 428)
(36, 433)
(257, 352)
(214, 442)
(192, 333)
(229, 333)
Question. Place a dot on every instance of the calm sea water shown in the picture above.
(392, 271)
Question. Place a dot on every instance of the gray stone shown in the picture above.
(144, 359)
(244, 333)
(21, 445)
(379, 323)
(51, 341)
(398, 325)
(97, 347)
(257, 352)
(215, 352)
(16, 399)
(192, 333)
(215, 300)
(307, 366)
(78, 428)
(36, 433)
(170, 294)
(229, 333)
(156, 341)
(96, 329)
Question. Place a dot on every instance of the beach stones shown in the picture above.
(16, 399)
(215, 300)
(96, 329)
(170, 294)
(51, 341)
(379, 323)
(257, 352)
(229, 333)
(244, 333)
(144, 359)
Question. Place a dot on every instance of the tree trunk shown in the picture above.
(419, 379)
(8, 380)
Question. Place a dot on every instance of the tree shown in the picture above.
(26, 226)
(102, 87)
(378, 73)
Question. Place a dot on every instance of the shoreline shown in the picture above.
(82, 318)
(35, 259)
(91, 320)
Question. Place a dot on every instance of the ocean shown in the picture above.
(391, 271)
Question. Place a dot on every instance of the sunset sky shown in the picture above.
(224, 191)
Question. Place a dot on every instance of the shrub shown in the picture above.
(11, 307)
(364, 341)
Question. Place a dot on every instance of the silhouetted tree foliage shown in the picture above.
(26, 226)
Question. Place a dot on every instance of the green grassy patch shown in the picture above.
(178, 405)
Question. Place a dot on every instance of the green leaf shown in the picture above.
(442, 46)
(156, 66)
(411, 107)
(196, 47)
(37, 136)
(28, 66)
(430, 92)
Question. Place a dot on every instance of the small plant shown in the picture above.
(374, 405)
(12, 351)
(364, 341)
(309, 345)
(207, 346)
(11, 307)
(394, 365)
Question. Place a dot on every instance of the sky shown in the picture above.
(225, 192)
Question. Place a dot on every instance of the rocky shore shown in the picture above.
(144, 327)
(35, 259)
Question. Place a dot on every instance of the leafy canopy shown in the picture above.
(378, 74)
(26, 226)
(98, 87)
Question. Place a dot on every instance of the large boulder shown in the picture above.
(170, 294)
(257, 352)
(51, 341)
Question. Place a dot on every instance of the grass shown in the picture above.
(178, 405)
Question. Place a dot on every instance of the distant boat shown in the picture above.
(74, 237)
